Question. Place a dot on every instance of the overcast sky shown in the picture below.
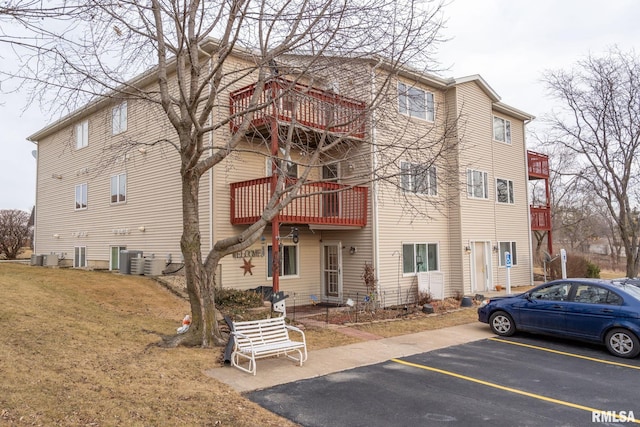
(508, 42)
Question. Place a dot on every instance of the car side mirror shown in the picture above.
(528, 296)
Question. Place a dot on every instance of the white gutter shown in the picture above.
(526, 165)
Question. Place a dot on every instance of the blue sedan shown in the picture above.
(585, 309)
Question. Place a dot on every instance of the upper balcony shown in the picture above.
(322, 203)
(540, 218)
(538, 165)
(290, 102)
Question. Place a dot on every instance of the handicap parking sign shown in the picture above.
(507, 260)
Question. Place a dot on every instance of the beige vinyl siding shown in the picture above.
(405, 217)
(485, 219)
(455, 190)
(153, 200)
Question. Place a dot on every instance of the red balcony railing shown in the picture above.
(310, 107)
(540, 218)
(324, 203)
(538, 165)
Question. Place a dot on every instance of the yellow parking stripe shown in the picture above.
(549, 350)
(509, 389)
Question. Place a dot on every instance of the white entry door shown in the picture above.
(480, 266)
(332, 271)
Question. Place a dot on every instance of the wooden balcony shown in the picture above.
(540, 218)
(303, 105)
(538, 165)
(325, 204)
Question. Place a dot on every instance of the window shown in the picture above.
(81, 196)
(415, 102)
(419, 257)
(119, 118)
(82, 134)
(555, 292)
(80, 256)
(288, 260)
(119, 188)
(418, 178)
(511, 248)
(501, 130)
(477, 185)
(287, 166)
(504, 191)
(590, 294)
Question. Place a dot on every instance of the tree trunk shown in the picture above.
(204, 330)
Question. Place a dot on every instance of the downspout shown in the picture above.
(374, 196)
(35, 209)
(211, 186)
(526, 165)
(211, 183)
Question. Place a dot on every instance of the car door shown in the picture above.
(591, 310)
(545, 309)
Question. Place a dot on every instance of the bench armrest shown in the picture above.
(241, 335)
(298, 330)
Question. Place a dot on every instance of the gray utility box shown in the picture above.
(125, 260)
(50, 260)
(153, 266)
(36, 259)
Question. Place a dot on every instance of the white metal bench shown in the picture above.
(254, 339)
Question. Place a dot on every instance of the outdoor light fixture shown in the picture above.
(142, 228)
(353, 250)
(495, 248)
(467, 249)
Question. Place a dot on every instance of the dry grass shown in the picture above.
(74, 350)
(77, 348)
(421, 323)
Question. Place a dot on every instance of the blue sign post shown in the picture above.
(508, 263)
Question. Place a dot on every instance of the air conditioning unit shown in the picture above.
(137, 266)
(36, 259)
(50, 260)
(125, 260)
(153, 266)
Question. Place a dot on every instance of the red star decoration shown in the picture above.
(247, 266)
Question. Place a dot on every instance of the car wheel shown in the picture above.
(622, 343)
(502, 324)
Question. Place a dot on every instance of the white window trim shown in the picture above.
(415, 272)
(514, 261)
(82, 134)
(511, 192)
(432, 187)
(117, 177)
(289, 276)
(86, 198)
(429, 113)
(119, 118)
(506, 124)
(470, 193)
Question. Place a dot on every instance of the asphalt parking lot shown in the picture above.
(524, 380)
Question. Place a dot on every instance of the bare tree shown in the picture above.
(14, 232)
(600, 125)
(188, 49)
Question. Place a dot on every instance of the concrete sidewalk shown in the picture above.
(275, 371)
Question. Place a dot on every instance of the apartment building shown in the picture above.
(97, 196)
